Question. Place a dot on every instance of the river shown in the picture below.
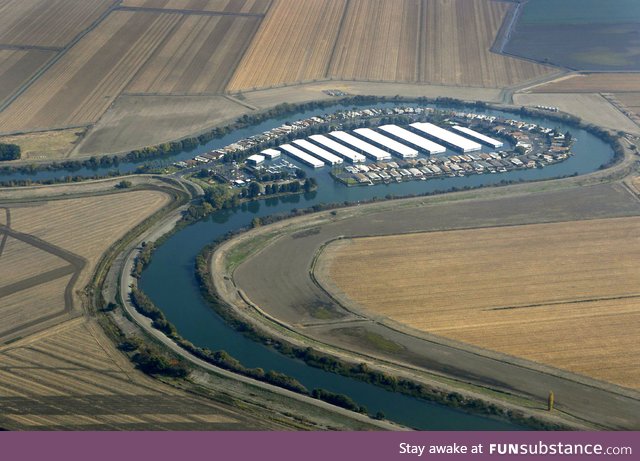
(169, 280)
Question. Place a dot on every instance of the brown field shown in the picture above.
(51, 23)
(562, 294)
(87, 226)
(293, 44)
(379, 40)
(227, 6)
(382, 41)
(78, 88)
(45, 144)
(72, 378)
(20, 260)
(79, 230)
(200, 57)
(16, 66)
(593, 83)
(37, 303)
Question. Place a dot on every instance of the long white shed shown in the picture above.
(412, 138)
(345, 152)
(479, 136)
(301, 156)
(453, 140)
(319, 152)
(394, 146)
(367, 149)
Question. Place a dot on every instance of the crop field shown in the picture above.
(50, 23)
(379, 41)
(226, 6)
(593, 83)
(382, 41)
(50, 242)
(21, 260)
(294, 44)
(79, 87)
(72, 378)
(87, 226)
(562, 294)
(199, 57)
(16, 66)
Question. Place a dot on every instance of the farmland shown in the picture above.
(294, 44)
(382, 41)
(49, 241)
(16, 66)
(48, 23)
(378, 41)
(556, 293)
(78, 88)
(199, 57)
(226, 6)
(45, 145)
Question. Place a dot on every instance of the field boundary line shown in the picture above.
(147, 9)
(568, 301)
(36, 280)
(55, 49)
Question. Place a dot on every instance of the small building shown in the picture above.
(255, 160)
(270, 153)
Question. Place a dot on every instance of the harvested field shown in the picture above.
(78, 88)
(87, 226)
(72, 378)
(294, 43)
(378, 41)
(226, 6)
(429, 41)
(31, 306)
(16, 66)
(20, 260)
(60, 238)
(593, 83)
(562, 294)
(50, 23)
(45, 145)
(200, 56)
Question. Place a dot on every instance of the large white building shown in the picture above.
(479, 136)
(412, 138)
(453, 140)
(319, 152)
(343, 151)
(394, 146)
(301, 156)
(271, 153)
(367, 149)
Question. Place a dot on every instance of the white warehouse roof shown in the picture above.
(271, 153)
(414, 139)
(344, 151)
(391, 144)
(454, 140)
(367, 149)
(479, 136)
(256, 159)
(302, 156)
(319, 152)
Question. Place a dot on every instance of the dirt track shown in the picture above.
(290, 295)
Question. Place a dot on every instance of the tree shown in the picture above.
(254, 190)
(124, 184)
(9, 151)
(255, 222)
